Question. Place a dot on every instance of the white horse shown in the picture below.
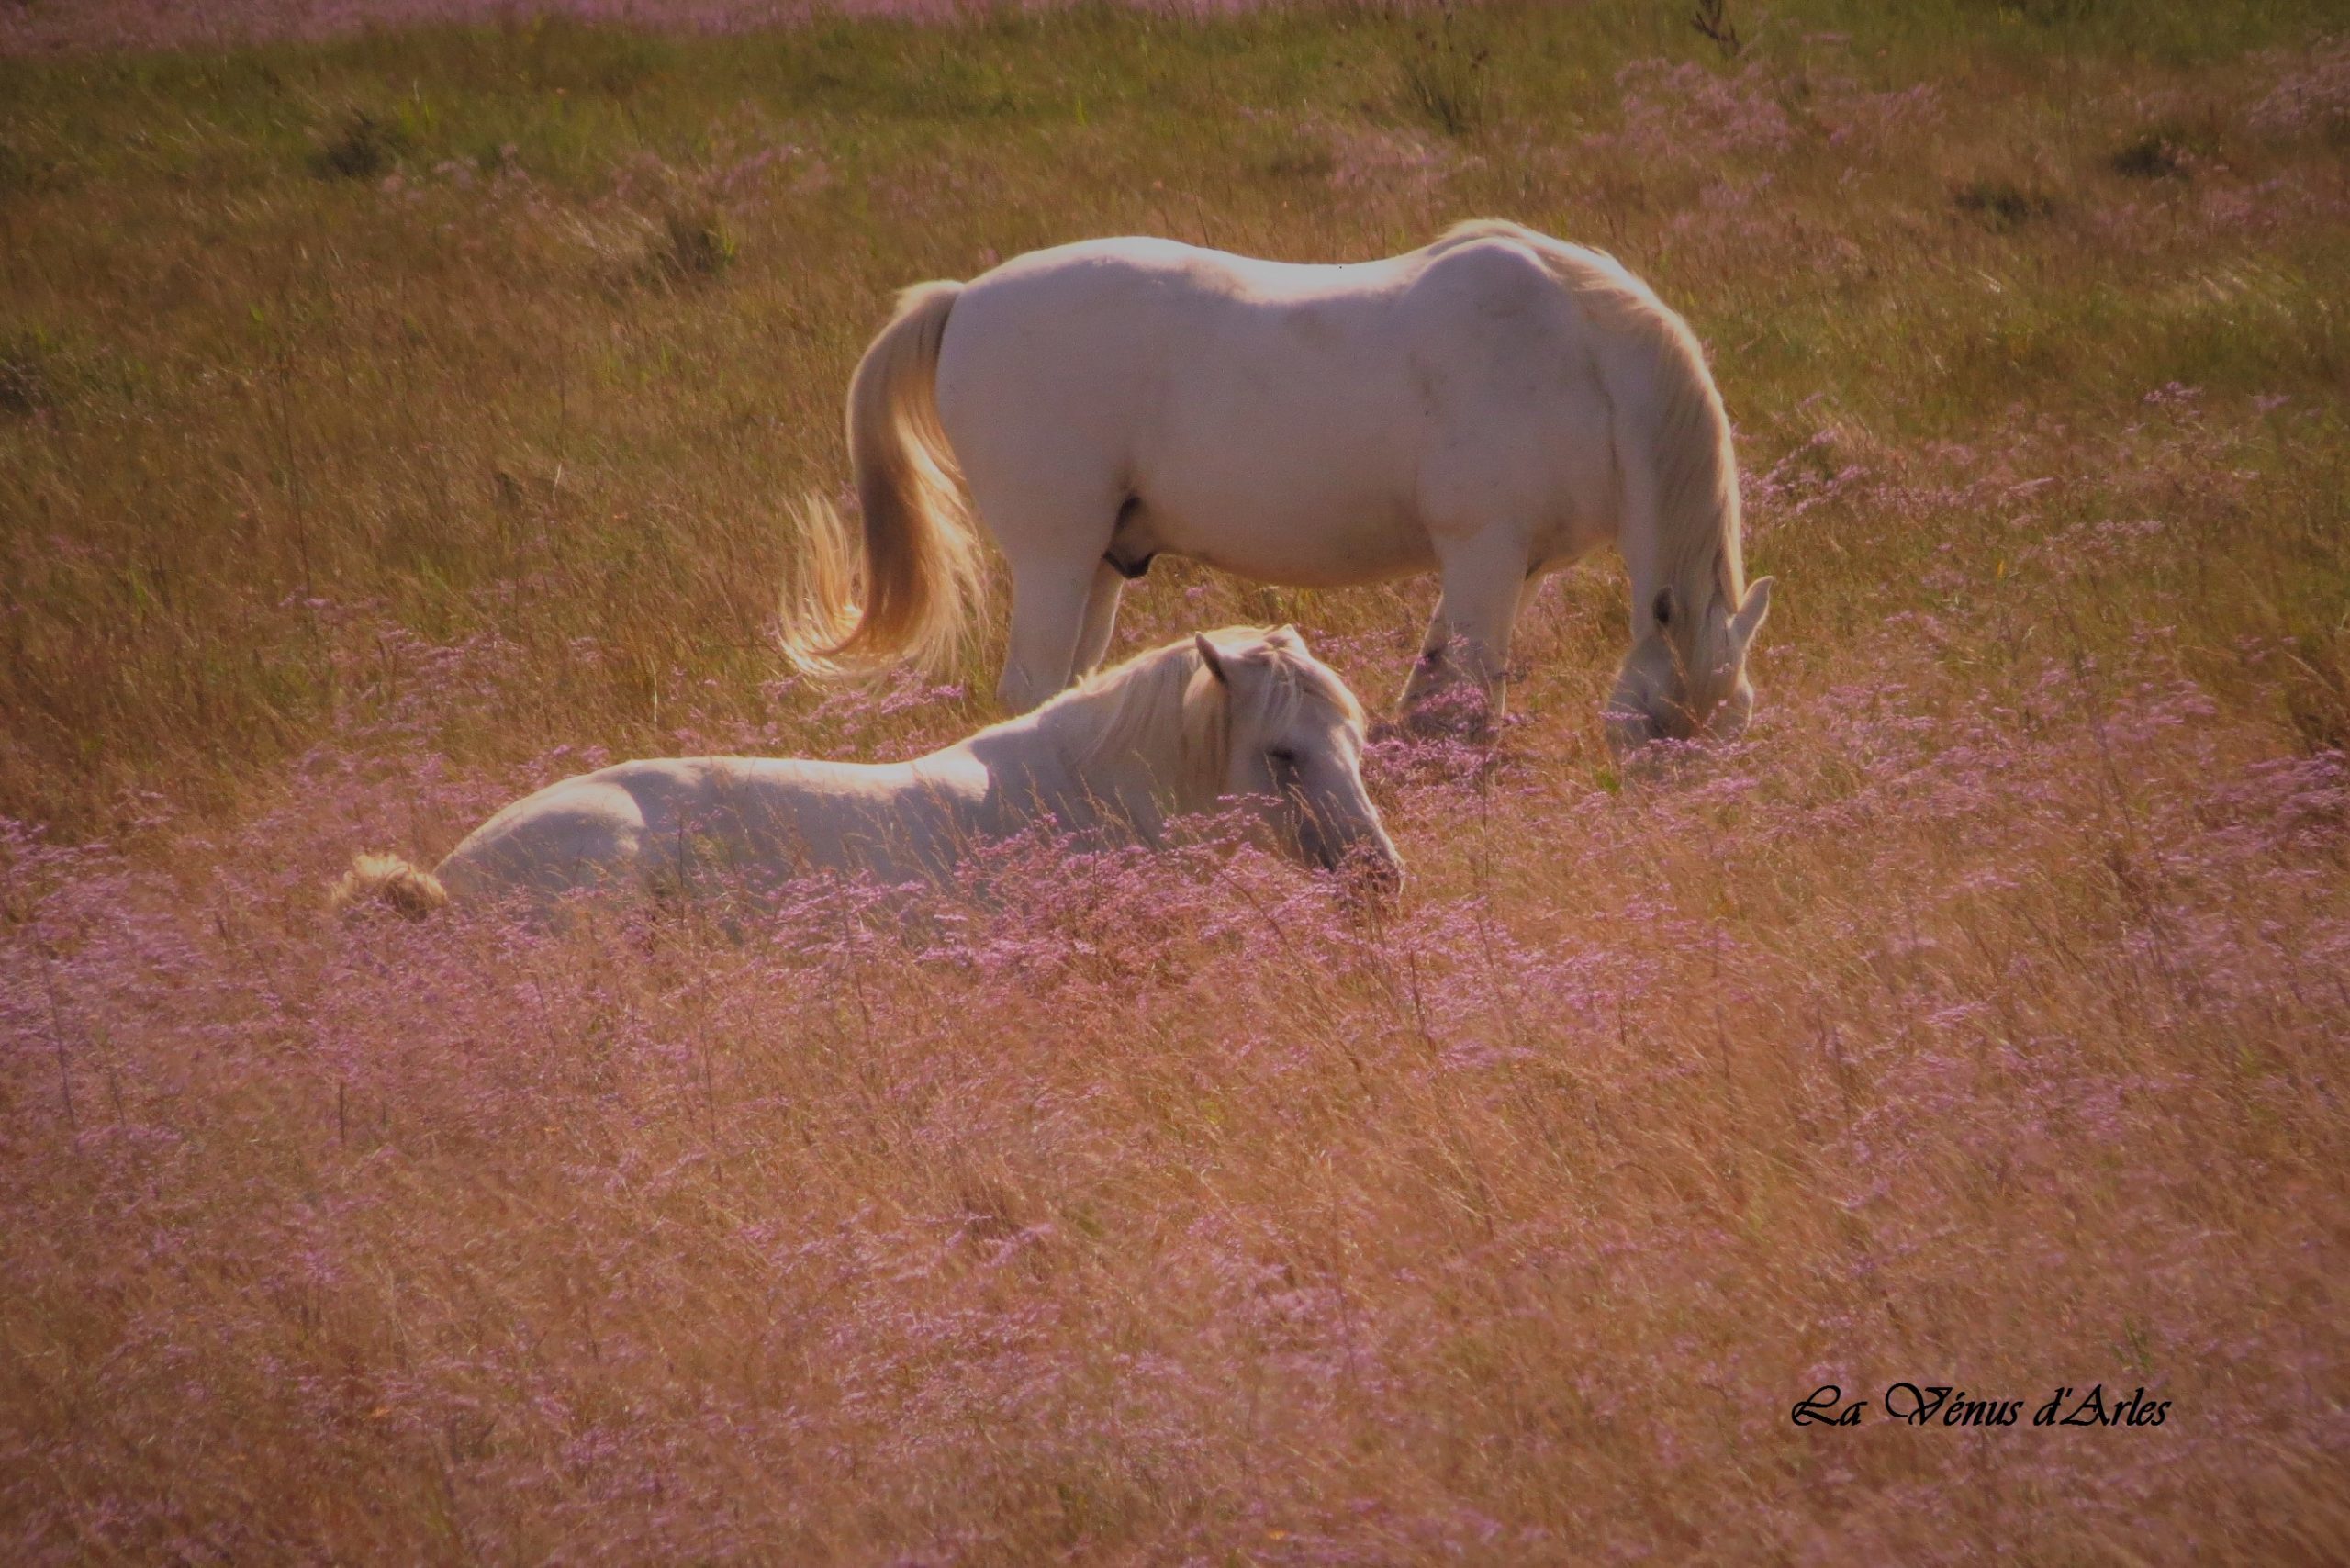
(1241, 714)
(1493, 406)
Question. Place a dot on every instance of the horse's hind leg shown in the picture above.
(1053, 513)
(1465, 656)
(1050, 607)
(1100, 620)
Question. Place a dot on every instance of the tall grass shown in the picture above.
(1977, 1022)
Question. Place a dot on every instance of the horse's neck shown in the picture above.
(1047, 760)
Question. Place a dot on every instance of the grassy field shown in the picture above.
(393, 422)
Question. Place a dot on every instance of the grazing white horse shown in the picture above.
(1493, 406)
(1242, 712)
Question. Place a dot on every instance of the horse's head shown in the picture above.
(1295, 752)
(1680, 682)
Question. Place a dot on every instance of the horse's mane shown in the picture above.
(1165, 707)
(1698, 506)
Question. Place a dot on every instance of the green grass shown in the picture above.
(237, 372)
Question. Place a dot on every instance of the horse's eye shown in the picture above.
(1284, 756)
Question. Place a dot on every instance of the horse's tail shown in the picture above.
(390, 881)
(921, 568)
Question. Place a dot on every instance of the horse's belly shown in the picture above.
(1286, 503)
(1307, 551)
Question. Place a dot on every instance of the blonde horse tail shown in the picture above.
(920, 571)
(387, 879)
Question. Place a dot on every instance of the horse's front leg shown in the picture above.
(1460, 680)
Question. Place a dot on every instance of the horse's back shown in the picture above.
(1076, 290)
(1295, 422)
(1120, 380)
(1310, 424)
(655, 821)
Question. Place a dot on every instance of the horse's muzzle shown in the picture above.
(1368, 866)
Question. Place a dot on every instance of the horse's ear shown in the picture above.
(1749, 619)
(1287, 637)
(1209, 657)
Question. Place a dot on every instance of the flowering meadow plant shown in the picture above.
(374, 447)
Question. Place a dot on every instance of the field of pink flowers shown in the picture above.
(390, 426)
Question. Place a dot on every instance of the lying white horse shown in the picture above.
(1241, 714)
(1493, 406)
